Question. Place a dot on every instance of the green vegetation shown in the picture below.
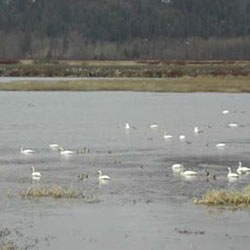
(128, 29)
(231, 198)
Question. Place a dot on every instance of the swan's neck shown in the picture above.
(240, 164)
(229, 170)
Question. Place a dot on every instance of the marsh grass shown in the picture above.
(229, 84)
(226, 198)
(5, 242)
(58, 192)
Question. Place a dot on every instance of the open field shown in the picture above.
(230, 84)
(142, 68)
(147, 75)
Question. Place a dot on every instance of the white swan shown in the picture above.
(153, 125)
(188, 172)
(231, 174)
(220, 145)
(127, 126)
(103, 177)
(177, 167)
(225, 111)
(242, 170)
(196, 130)
(167, 136)
(233, 125)
(182, 137)
(34, 173)
(26, 151)
(65, 152)
(54, 146)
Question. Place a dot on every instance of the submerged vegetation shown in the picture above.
(224, 198)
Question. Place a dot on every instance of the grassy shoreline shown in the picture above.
(204, 83)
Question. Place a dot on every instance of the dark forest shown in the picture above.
(125, 29)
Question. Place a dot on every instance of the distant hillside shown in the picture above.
(122, 29)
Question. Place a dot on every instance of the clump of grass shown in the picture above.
(58, 192)
(5, 243)
(231, 198)
(10, 245)
(54, 192)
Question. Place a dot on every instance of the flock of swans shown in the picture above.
(37, 175)
(177, 167)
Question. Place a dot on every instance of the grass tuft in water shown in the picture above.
(5, 242)
(231, 198)
(57, 192)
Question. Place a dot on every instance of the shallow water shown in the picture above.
(144, 206)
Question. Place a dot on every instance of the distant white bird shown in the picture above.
(225, 111)
(196, 130)
(188, 172)
(167, 136)
(26, 151)
(65, 152)
(242, 170)
(220, 145)
(102, 177)
(127, 126)
(177, 167)
(54, 146)
(34, 173)
(182, 137)
(231, 174)
(153, 125)
(232, 125)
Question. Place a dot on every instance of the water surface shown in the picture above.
(145, 205)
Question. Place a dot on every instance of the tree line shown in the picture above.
(125, 29)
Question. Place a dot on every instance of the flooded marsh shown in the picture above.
(145, 204)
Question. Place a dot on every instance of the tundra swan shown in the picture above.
(188, 173)
(26, 151)
(182, 137)
(167, 136)
(65, 152)
(34, 173)
(231, 174)
(242, 170)
(177, 167)
(102, 177)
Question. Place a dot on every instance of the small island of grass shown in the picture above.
(226, 198)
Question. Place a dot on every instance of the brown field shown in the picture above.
(158, 75)
(230, 84)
